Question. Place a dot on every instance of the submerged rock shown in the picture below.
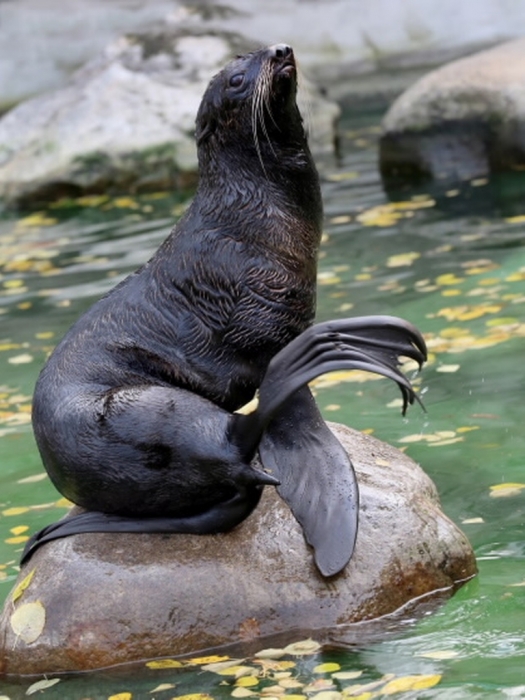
(462, 121)
(95, 600)
(125, 123)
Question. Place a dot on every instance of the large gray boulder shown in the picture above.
(462, 121)
(94, 600)
(125, 123)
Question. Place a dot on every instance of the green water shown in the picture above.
(455, 268)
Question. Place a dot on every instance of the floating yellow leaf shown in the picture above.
(402, 259)
(164, 663)
(34, 220)
(508, 489)
(32, 479)
(451, 293)
(472, 521)
(515, 219)
(467, 428)
(247, 681)
(289, 682)
(63, 503)
(13, 284)
(19, 529)
(217, 667)
(441, 443)
(161, 687)
(328, 667)
(17, 540)
(125, 203)
(44, 684)
(28, 621)
(347, 675)
(193, 696)
(23, 359)
(44, 335)
(337, 220)
(121, 696)
(439, 654)
(240, 692)
(400, 685)
(447, 368)
(448, 279)
(17, 510)
(294, 696)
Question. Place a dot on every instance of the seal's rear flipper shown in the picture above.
(317, 480)
(220, 518)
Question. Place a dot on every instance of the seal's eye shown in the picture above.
(237, 80)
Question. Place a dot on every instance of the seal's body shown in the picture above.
(133, 413)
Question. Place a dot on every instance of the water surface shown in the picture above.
(454, 266)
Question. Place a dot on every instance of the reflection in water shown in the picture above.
(454, 265)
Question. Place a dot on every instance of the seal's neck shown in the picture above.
(261, 181)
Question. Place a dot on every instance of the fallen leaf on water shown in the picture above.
(447, 368)
(472, 521)
(121, 696)
(241, 692)
(213, 659)
(42, 685)
(439, 654)
(20, 539)
(193, 696)
(18, 510)
(347, 675)
(32, 479)
(164, 663)
(247, 681)
(22, 586)
(28, 621)
(509, 489)
(161, 687)
(402, 259)
(399, 685)
(326, 668)
(23, 359)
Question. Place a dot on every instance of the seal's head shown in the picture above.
(251, 104)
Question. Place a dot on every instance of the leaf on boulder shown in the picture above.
(28, 621)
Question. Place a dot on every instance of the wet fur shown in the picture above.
(133, 413)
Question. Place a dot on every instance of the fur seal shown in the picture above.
(134, 412)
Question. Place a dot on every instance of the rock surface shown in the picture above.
(459, 122)
(126, 121)
(95, 600)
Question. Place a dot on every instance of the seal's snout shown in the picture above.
(281, 51)
(283, 59)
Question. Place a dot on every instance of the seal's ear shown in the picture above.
(205, 128)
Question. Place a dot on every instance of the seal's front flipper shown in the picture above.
(317, 479)
(220, 518)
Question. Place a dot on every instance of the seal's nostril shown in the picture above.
(281, 50)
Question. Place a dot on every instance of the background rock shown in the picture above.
(115, 598)
(462, 121)
(126, 122)
(43, 41)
